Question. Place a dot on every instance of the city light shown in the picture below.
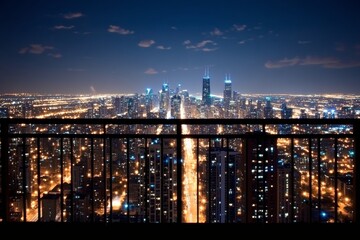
(190, 178)
(153, 196)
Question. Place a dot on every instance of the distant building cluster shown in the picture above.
(122, 179)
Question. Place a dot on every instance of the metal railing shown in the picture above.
(180, 170)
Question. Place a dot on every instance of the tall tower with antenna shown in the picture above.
(227, 91)
(206, 99)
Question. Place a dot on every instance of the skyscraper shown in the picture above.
(164, 100)
(227, 91)
(285, 196)
(120, 105)
(224, 166)
(162, 182)
(4, 112)
(175, 106)
(268, 109)
(148, 100)
(206, 99)
(286, 113)
(259, 184)
(132, 107)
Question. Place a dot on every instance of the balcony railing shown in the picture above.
(180, 170)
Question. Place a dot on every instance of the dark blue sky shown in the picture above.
(308, 46)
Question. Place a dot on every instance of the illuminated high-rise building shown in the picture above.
(227, 91)
(268, 109)
(175, 106)
(303, 114)
(258, 171)
(120, 105)
(4, 112)
(224, 182)
(149, 100)
(206, 98)
(162, 181)
(133, 107)
(235, 95)
(164, 101)
(286, 113)
(285, 196)
(178, 89)
(329, 113)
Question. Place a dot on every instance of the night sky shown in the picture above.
(301, 47)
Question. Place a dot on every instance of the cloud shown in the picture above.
(242, 42)
(216, 32)
(119, 30)
(174, 28)
(239, 27)
(62, 27)
(205, 45)
(35, 49)
(302, 42)
(73, 15)
(55, 55)
(186, 42)
(318, 61)
(151, 71)
(163, 48)
(208, 49)
(325, 62)
(282, 63)
(146, 43)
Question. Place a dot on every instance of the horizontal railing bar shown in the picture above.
(177, 121)
(267, 135)
(125, 135)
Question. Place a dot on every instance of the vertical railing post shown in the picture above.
(310, 180)
(5, 213)
(146, 177)
(62, 179)
(227, 179)
(179, 171)
(38, 178)
(92, 195)
(319, 177)
(292, 177)
(209, 182)
(197, 181)
(104, 173)
(72, 179)
(356, 183)
(336, 179)
(128, 178)
(24, 176)
(246, 165)
(111, 180)
(162, 190)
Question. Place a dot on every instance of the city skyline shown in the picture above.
(268, 47)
